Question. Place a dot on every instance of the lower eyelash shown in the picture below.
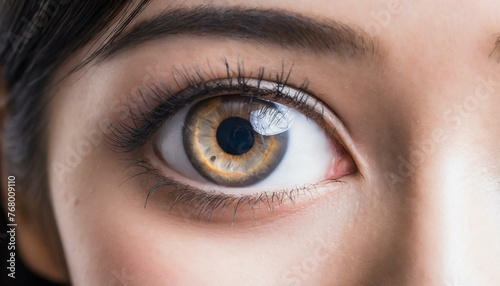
(204, 205)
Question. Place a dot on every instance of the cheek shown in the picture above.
(111, 239)
(107, 238)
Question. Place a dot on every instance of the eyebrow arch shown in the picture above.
(282, 28)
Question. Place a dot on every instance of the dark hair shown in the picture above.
(35, 38)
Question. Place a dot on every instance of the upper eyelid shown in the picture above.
(120, 135)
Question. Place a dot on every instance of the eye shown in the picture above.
(242, 143)
(228, 141)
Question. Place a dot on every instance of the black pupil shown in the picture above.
(235, 135)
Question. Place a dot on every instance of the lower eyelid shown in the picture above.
(203, 200)
(186, 201)
(204, 185)
(264, 209)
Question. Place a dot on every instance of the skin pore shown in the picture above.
(417, 113)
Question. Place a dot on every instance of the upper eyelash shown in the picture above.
(146, 120)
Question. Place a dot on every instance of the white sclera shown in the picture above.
(308, 156)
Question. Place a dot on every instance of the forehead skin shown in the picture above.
(423, 121)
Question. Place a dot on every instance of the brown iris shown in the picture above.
(222, 144)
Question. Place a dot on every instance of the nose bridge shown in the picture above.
(447, 189)
(428, 224)
(452, 227)
(432, 180)
(457, 187)
(441, 149)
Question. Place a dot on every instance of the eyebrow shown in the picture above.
(284, 29)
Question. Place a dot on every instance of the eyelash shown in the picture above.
(203, 205)
(159, 103)
(145, 121)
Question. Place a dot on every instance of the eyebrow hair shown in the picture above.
(282, 28)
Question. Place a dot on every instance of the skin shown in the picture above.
(419, 123)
